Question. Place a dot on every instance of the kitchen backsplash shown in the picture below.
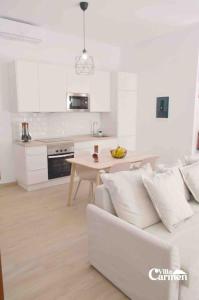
(43, 125)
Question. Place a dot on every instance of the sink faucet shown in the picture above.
(93, 127)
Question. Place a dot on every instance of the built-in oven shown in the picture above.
(58, 166)
(77, 102)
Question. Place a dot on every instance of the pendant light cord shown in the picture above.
(84, 29)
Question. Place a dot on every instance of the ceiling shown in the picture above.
(112, 21)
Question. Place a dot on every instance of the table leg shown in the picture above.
(71, 184)
(98, 179)
(1, 283)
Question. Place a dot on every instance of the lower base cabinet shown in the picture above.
(89, 146)
(31, 165)
(128, 142)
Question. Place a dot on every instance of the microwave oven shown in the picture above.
(78, 102)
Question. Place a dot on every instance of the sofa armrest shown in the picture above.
(124, 254)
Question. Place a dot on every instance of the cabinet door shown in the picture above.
(100, 92)
(27, 86)
(77, 83)
(52, 88)
(126, 122)
(128, 142)
(127, 81)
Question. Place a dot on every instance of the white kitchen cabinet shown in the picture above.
(31, 165)
(100, 92)
(128, 142)
(43, 87)
(27, 86)
(52, 88)
(77, 83)
(126, 113)
(121, 121)
(127, 81)
(108, 143)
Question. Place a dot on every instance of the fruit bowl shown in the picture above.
(119, 152)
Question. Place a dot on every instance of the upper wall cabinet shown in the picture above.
(100, 92)
(27, 86)
(52, 88)
(43, 87)
(77, 83)
(127, 81)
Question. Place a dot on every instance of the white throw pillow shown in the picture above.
(191, 177)
(189, 160)
(177, 170)
(130, 198)
(168, 198)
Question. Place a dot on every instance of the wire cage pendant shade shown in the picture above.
(84, 64)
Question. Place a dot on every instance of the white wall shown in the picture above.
(56, 48)
(166, 67)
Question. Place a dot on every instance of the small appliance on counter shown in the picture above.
(25, 136)
(96, 153)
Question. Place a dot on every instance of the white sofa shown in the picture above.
(124, 254)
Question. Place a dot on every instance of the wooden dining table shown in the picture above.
(105, 163)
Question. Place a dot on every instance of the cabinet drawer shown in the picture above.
(37, 176)
(36, 150)
(36, 162)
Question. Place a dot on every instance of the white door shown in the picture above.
(52, 88)
(77, 83)
(100, 92)
(27, 86)
(126, 113)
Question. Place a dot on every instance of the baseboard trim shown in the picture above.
(43, 185)
(13, 183)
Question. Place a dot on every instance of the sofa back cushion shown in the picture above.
(167, 195)
(130, 198)
(177, 170)
(191, 177)
(103, 199)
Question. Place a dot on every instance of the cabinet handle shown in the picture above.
(58, 156)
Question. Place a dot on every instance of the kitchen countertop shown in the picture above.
(30, 144)
(73, 138)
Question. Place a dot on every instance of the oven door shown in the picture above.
(58, 166)
(77, 102)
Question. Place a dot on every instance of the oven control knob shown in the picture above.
(57, 150)
(61, 150)
(65, 150)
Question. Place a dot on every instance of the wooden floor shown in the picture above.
(44, 247)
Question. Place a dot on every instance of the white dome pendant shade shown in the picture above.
(84, 64)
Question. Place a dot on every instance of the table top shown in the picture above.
(107, 161)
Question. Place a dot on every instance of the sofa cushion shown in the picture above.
(130, 198)
(103, 199)
(186, 238)
(189, 160)
(176, 169)
(191, 174)
(168, 196)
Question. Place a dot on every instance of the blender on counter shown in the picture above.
(25, 137)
